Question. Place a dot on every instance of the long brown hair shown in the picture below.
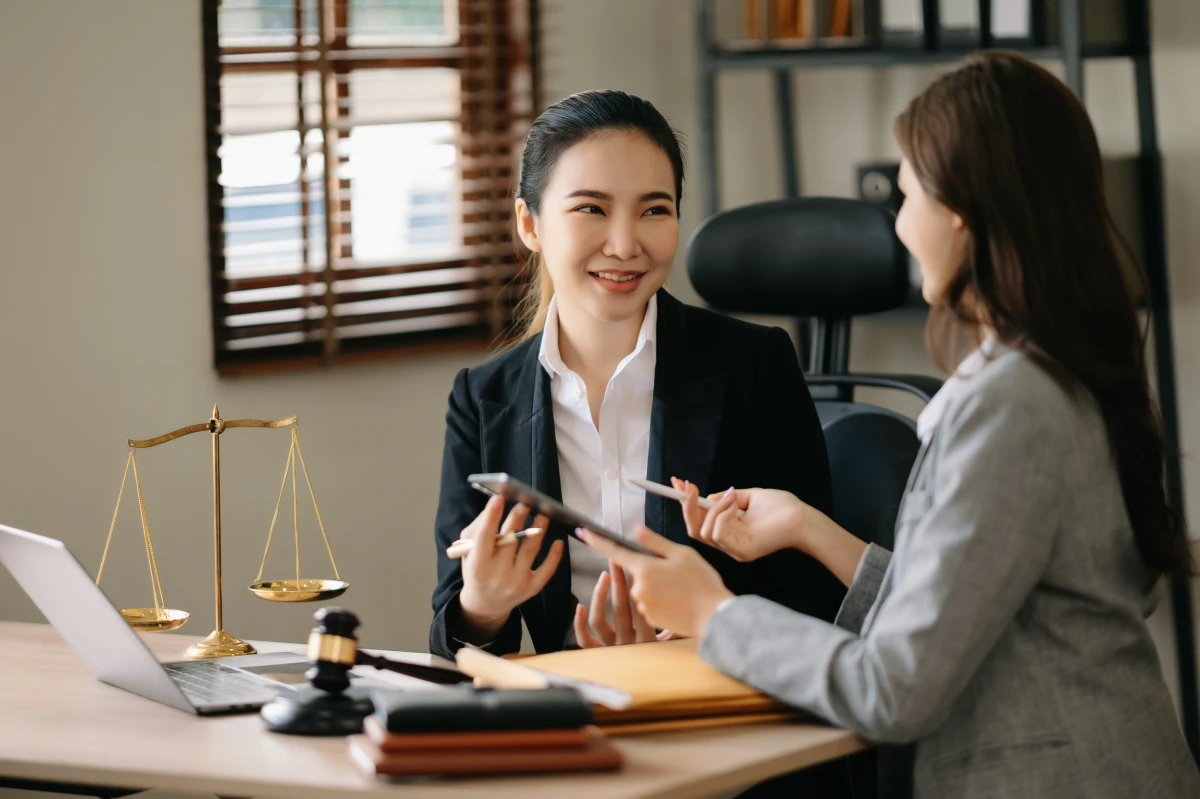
(1007, 146)
(558, 128)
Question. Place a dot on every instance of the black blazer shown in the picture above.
(730, 408)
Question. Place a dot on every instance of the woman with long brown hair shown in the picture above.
(1005, 636)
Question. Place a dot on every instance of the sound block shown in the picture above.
(311, 711)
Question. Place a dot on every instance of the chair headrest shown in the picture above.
(810, 256)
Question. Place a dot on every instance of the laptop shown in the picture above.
(113, 651)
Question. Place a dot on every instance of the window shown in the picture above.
(361, 156)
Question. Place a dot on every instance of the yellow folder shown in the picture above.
(651, 682)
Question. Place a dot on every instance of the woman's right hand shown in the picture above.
(498, 579)
(773, 520)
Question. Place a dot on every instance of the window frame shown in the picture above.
(497, 41)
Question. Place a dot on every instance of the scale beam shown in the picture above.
(219, 424)
(221, 643)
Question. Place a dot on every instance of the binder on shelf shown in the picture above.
(799, 24)
(792, 20)
(786, 24)
(902, 24)
(1105, 22)
(958, 24)
(1013, 23)
(845, 23)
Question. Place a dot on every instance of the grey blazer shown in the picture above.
(1006, 635)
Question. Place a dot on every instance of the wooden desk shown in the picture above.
(58, 724)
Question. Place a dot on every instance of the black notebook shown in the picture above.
(466, 708)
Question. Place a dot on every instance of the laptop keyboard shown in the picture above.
(211, 683)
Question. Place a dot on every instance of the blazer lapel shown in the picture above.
(534, 456)
(532, 412)
(541, 439)
(684, 418)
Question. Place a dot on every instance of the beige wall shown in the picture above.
(105, 304)
(105, 317)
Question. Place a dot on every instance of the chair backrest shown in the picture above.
(811, 256)
(828, 259)
(871, 452)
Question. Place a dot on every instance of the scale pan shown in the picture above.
(299, 590)
(154, 620)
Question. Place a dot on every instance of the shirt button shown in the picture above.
(610, 474)
(578, 393)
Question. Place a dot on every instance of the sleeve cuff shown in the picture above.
(455, 623)
(864, 589)
(724, 604)
(725, 631)
(755, 640)
(488, 647)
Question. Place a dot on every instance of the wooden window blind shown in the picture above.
(361, 158)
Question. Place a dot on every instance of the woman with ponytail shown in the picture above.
(612, 378)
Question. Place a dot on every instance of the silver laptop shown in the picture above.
(114, 653)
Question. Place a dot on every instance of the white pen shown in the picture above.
(674, 493)
(461, 547)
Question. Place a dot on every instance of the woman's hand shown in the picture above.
(628, 627)
(773, 520)
(678, 591)
(497, 579)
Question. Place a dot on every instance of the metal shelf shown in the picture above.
(826, 57)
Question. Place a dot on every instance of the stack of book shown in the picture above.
(466, 731)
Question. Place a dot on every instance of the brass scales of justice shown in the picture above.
(161, 618)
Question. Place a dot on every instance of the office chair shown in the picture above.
(825, 260)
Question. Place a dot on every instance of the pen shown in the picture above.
(461, 547)
(672, 493)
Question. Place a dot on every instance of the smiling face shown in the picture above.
(935, 235)
(607, 227)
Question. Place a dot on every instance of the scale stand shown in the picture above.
(160, 617)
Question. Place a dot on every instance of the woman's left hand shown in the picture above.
(628, 626)
(678, 591)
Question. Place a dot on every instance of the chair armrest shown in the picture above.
(922, 386)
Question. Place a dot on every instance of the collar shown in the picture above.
(550, 356)
(955, 387)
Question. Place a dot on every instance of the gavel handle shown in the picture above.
(434, 674)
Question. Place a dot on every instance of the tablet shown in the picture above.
(514, 490)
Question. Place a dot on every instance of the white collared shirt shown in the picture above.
(594, 466)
